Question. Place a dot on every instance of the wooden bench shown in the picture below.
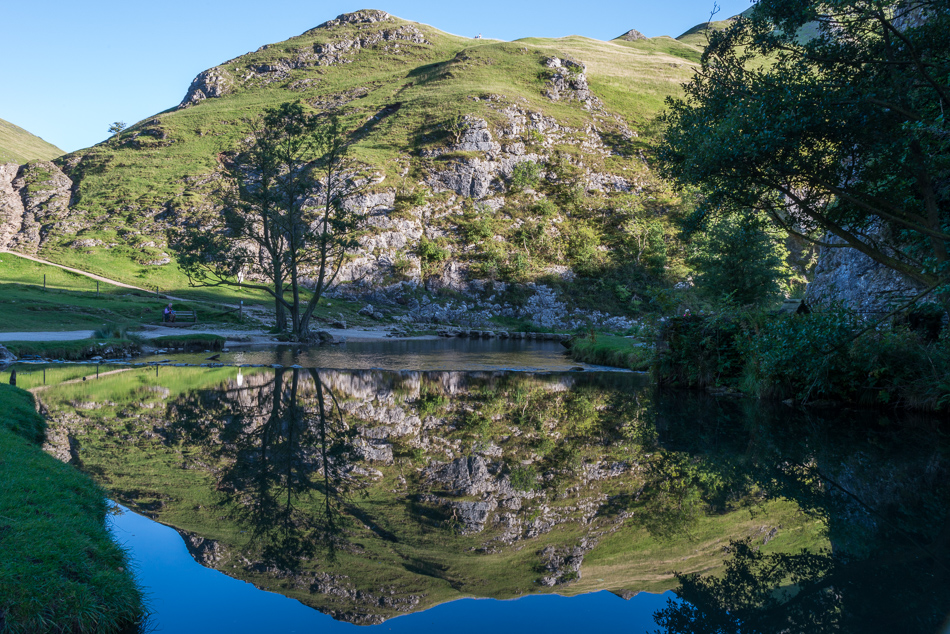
(182, 316)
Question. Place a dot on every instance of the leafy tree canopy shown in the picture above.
(830, 118)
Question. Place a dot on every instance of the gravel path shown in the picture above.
(69, 335)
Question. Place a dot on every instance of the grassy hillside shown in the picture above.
(19, 146)
(592, 222)
(131, 187)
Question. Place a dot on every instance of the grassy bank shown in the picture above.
(618, 352)
(72, 350)
(193, 342)
(60, 570)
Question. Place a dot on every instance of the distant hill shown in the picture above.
(19, 146)
(696, 36)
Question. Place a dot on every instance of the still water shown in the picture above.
(474, 497)
(440, 354)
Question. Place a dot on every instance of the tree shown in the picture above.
(282, 221)
(829, 118)
(117, 127)
(740, 258)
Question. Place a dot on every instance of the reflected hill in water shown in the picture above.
(369, 494)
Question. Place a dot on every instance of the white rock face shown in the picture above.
(11, 205)
(209, 84)
(34, 201)
(850, 278)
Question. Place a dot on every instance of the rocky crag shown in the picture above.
(498, 168)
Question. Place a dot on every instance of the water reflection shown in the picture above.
(435, 355)
(369, 494)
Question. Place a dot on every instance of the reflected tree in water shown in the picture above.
(883, 497)
(286, 458)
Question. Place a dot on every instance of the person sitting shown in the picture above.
(168, 314)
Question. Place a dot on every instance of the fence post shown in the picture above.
(97, 289)
(241, 311)
(44, 281)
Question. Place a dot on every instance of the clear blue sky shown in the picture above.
(72, 67)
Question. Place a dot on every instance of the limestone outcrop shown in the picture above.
(632, 36)
(210, 84)
(34, 201)
(847, 277)
(11, 205)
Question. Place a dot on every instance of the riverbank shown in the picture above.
(831, 357)
(608, 350)
(60, 570)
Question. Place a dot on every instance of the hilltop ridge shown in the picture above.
(19, 146)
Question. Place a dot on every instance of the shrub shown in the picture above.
(525, 175)
(431, 255)
(699, 352)
(524, 478)
(409, 198)
(583, 246)
(739, 258)
(798, 355)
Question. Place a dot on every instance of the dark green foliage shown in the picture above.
(524, 478)
(843, 132)
(699, 351)
(831, 355)
(739, 259)
(834, 355)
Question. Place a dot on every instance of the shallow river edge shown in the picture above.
(61, 569)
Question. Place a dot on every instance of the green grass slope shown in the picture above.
(60, 570)
(19, 146)
(129, 189)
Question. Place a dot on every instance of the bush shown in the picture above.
(407, 199)
(524, 478)
(525, 175)
(699, 352)
(827, 356)
(798, 355)
(583, 246)
(831, 355)
(431, 255)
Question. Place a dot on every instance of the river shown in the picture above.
(463, 485)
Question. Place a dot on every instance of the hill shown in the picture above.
(581, 228)
(19, 146)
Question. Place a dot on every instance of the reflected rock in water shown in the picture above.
(369, 494)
